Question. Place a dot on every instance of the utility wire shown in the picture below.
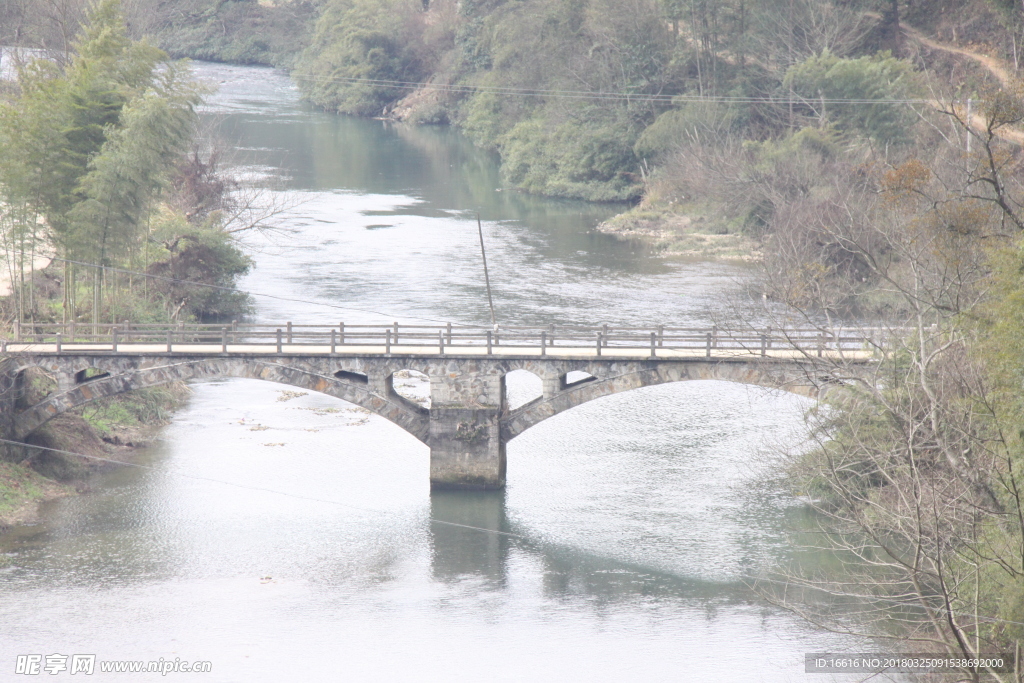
(487, 278)
(172, 472)
(185, 475)
(599, 95)
(196, 477)
(260, 294)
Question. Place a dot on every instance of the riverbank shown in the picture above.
(113, 429)
(22, 489)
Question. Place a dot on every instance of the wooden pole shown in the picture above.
(487, 277)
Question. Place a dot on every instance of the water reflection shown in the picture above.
(459, 550)
(464, 549)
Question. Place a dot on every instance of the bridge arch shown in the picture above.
(525, 387)
(407, 415)
(635, 376)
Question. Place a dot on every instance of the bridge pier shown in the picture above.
(466, 448)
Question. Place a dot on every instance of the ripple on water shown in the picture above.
(293, 537)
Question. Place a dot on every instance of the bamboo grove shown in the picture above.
(95, 145)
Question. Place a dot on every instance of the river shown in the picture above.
(289, 537)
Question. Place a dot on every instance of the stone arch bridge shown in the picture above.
(468, 421)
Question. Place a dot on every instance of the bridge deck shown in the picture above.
(434, 351)
(554, 342)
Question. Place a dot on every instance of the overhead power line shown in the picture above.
(197, 477)
(177, 473)
(598, 94)
(276, 297)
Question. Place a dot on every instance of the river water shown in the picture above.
(295, 538)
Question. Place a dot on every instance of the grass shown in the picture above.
(21, 486)
(137, 408)
(683, 230)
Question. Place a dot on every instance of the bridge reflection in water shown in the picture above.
(460, 547)
(463, 549)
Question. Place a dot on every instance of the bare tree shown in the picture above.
(915, 471)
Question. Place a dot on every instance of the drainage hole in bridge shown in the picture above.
(521, 387)
(89, 375)
(352, 376)
(576, 378)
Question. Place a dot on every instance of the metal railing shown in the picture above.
(426, 339)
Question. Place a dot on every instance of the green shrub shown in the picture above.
(361, 57)
(586, 157)
(875, 84)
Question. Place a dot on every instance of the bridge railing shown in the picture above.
(448, 338)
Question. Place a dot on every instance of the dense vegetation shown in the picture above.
(916, 465)
(239, 31)
(102, 170)
(584, 98)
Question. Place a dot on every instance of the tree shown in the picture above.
(363, 56)
(89, 145)
(864, 96)
(915, 469)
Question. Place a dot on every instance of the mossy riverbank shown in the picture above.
(108, 430)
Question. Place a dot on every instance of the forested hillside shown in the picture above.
(873, 151)
(590, 98)
(238, 31)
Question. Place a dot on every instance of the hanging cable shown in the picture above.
(596, 94)
(277, 297)
(749, 581)
(487, 277)
(247, 487)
